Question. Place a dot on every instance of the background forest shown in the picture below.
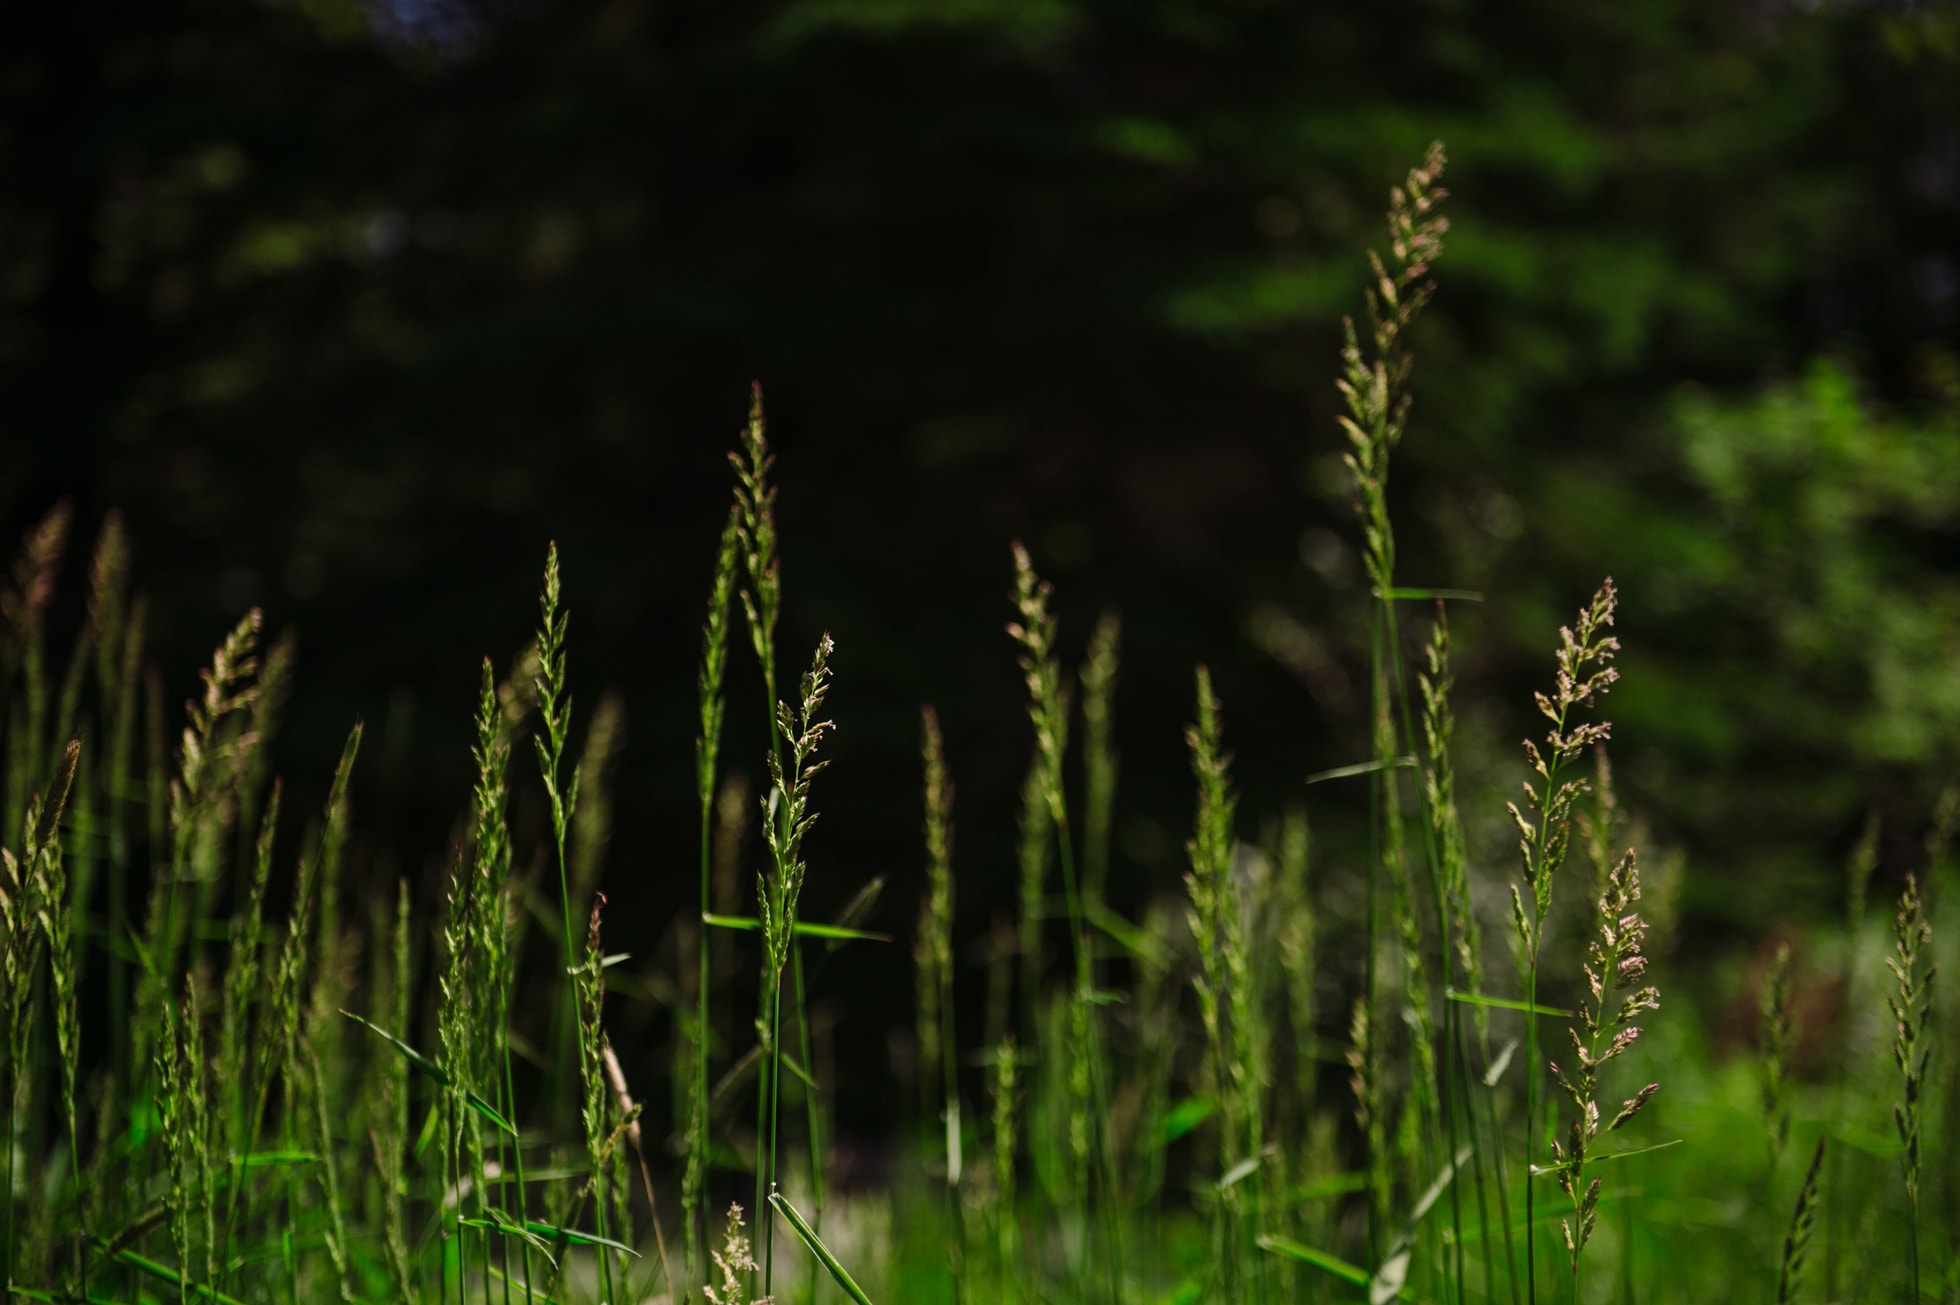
(344, 310)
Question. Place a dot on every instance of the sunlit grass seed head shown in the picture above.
(1585, 672)
(1615, 972)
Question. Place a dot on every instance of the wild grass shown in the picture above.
(208, 1101)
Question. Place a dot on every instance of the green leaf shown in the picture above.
(1539, 1171)
(1423, 595)
(1334, 1264)
(1338, 1185)
(163, 1273)
(1241, 1171)
(1363, 768)
(810, 1239)
(1501, 1063)
(274, 1159)
(1503, 1003)
(1131, 939)
(1187, 1115)
(574, 1237)
(532, 1292)
(749, 924)
(436, 1072)
(505, 1226)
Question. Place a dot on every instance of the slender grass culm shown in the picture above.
(1374, 390)
(938, 1052)
(707, 754)
(760, 592)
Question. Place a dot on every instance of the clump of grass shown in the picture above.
(244, 1150)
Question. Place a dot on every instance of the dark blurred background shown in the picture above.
(349, 308)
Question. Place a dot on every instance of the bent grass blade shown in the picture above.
(435, 1072)
(808, 1236)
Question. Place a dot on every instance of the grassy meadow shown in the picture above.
(1420, 1074)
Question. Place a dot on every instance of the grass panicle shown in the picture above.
(1775, 1013)
(1217, 919)
(734, 1263)
(787, 817)
(1803, 1219)
(1100, 666)
(1911, 1009)
(1585, 672)
(1615, 969)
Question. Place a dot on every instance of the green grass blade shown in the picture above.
(1332, 1264)
(164, 1273)
(505, 1226)
(809, 1238)
(1187, 1115)
(1362, 768)
(1401, 594)
(574, 1237)
(804, 928)
(273, 1159)
(435, 1072)
(536, 1294)
(1539, 1171)
(1504, 1003)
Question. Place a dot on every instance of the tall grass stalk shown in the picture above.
(1585, 673)
(780, 891)
(1225, 996)
(1374, 390)
(707, 755)
(1049, 710)
(487, 933)
(31, 882)
(600, 1143)
(938, 1051)
(761, 597)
